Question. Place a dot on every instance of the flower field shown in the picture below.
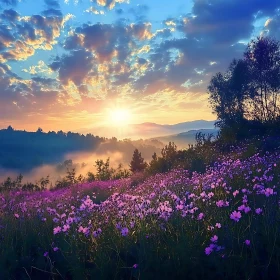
(224, 224)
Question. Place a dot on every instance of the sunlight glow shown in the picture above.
(120, 117)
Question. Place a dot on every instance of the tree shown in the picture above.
(71, 176)
(90, 177)
(10, 128)
(249, 90)
(44, 182)
(104, 172)
(121, 172)
(263, 57)
(169, 153)
(137, 163)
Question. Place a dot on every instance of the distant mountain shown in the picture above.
(151, 130)
(157, 130)
(182, 140)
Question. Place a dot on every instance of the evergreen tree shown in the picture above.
(137, 163)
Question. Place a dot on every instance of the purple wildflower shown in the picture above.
(208, 251)
(218, 225)
(200, 216)
(57, 230)
(214, 238)
(220, 203)
(268, 192)
(124, 231)
(235, 216)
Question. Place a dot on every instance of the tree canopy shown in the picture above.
(250, 89)
(137, 163)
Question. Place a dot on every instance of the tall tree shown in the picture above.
(250, 89)
(137, 163)
(263, 59)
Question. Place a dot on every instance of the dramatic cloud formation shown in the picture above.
(65, 64)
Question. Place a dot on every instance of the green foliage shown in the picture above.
(90, 177)
(120, 173)
(104, 172)
(16, 185)
(137, 163)
(71, 176)
(196, 158)
(246, 97)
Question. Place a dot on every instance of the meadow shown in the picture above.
(221, 224)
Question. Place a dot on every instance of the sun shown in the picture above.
(120, 117)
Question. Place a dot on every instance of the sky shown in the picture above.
(74, 65)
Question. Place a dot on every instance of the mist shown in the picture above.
(84, 161)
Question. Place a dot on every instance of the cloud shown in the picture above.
(176, 62)
(110, 4)
(94, 11)
(213, 19)
(9, 2)
(272, 27)
(73, 67)
(52, 3)
(41, 67)
(106, 41)
(21, 36)
(135, 57)
(6, 38)
(10, 15)
(142, 31)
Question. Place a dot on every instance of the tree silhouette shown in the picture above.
(137, 163)
(249, 90)
(263, 57)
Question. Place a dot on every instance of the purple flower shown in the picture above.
(218, 225)
(220, 203)
(46, 254)
(65, 228)
(247, 242)
(97, 232)
(258, 211)
(124, 231)
(208, 251)
(247, 209)
(268, 192)
(55, 249)
(135, 265)
(200, 216)
(235, 193)
(242, 207)
(214, 238)
(235, 216)
(57, 230)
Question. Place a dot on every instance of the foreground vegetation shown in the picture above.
(222, 224)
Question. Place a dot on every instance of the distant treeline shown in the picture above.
(22, 150)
